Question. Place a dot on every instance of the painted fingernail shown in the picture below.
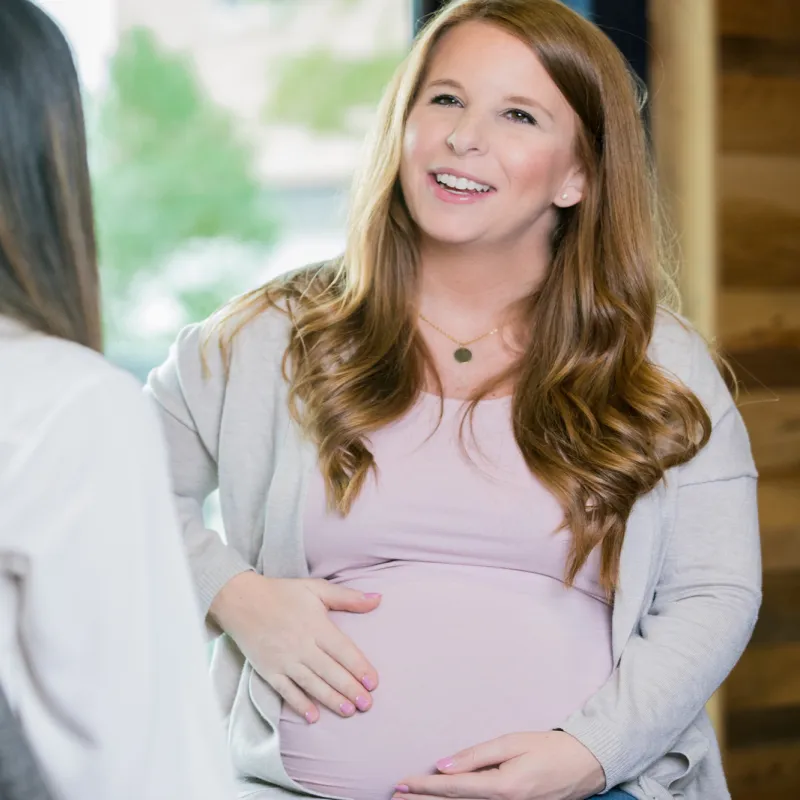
(311, 717)
(373, 596)
(445, 763)
(362, 703)
(401, 787)
(348, 709)
(369, 684)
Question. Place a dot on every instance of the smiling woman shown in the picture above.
(525, 542)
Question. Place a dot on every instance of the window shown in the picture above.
(223, 134)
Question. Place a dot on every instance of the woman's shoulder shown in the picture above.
(76, 432)
(234, 356)
(244, 339)
(681, 351)
(65, 393)
(46, 373)
(255, 320)
(673, 343)
(253, 328)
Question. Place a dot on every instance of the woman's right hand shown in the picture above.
(282, 627)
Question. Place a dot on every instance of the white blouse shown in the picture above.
(101, 651)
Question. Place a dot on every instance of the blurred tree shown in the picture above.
(168, 169)
(318, 90)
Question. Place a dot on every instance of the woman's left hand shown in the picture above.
(521, 766)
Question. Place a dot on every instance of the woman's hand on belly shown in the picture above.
(521, 766)
(283, 628)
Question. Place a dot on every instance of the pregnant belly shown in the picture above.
(464, 655)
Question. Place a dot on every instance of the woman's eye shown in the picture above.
(520, 116)
(445, 100)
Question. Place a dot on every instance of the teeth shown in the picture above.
(462, 184)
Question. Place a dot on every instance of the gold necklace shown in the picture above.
(462, 353)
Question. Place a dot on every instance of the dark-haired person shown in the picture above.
(101, 654)
(481, 414)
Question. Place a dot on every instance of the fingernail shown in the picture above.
(445, 763)
(401, 787)
(369, 684)
(362, 703)
(348, 709)
(373, 596)
(311, 717)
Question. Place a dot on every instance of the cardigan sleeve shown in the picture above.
(189, 394)
(705, 606)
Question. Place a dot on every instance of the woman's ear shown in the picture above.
(571, 192)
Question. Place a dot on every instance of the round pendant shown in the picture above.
(462, 355)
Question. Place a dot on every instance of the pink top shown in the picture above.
(476, 635)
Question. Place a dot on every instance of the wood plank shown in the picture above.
(773, 422)
(760, 244)
(760, 177)
(779, 620)
(770, 19)
(759, 113)
(745, 316)
(764, 726)
(759, 332)
(759, 220)
(768, 795)
(764, 773)
(765, 677)
(756, 56)
(773, 366)
(779, 517)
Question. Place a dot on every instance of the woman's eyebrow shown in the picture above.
(515, 99)
(527, 101)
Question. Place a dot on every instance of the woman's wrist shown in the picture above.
(233, 603)
(588, 767)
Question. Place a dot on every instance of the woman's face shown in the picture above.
(488, 148)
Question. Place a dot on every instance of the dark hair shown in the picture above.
(48, 255)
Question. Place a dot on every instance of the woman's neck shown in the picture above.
(470, 289)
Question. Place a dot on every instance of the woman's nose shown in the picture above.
(467, 137)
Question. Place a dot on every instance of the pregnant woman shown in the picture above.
(490, 509)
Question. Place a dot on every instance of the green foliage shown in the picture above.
(318, 89)
(168, 166)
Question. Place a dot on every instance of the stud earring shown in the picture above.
(564, 196)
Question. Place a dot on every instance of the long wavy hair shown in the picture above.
(597, 422)
(48, 257)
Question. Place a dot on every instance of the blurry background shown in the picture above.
(757, 290)
(223, 137)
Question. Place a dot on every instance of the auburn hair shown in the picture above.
(597, 422)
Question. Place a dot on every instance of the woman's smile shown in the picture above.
(452, 186)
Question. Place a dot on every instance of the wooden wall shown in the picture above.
(725, 91)
(758, 324)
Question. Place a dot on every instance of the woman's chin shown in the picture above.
(451, 235)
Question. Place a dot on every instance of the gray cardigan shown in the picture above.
(690, 575)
